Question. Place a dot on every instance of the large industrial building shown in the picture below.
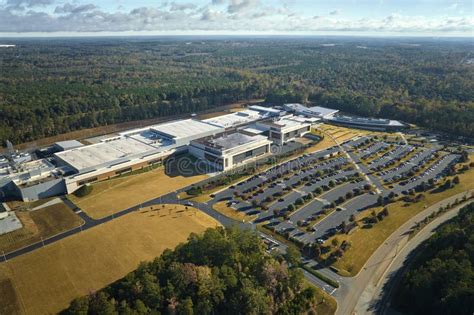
(285, 129)
(74, 164)
(227, 151)
(31, 180)
(224, 142)
(131, 150)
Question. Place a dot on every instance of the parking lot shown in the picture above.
(307, 198)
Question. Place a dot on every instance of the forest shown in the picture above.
(53, 86)
(441, 278)
(222, 271)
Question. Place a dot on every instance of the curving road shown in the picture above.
(376, 300)
(356, 291)
(354, 295)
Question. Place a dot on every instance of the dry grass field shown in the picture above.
(46, 280)
(117, 194)
(323, 144)
(44, 223)
(365, 241)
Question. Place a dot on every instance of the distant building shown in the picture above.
(367, 123)
(321, 112)
(285, 129)
(315, 111)
(227, 151)
(294, 107)
(270, 111)
(67, 145)
(238, 118)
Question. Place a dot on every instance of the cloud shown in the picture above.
(244, 16)
(73, 9)
(21, 4)
(453, 6)
(182, 6)
(238, 6)
(211, 15)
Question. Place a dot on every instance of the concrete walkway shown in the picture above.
(52, 202)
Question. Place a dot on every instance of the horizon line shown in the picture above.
(60, 34)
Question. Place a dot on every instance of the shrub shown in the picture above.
(195, 190)
(83, 191)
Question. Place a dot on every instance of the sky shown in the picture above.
(236, 17)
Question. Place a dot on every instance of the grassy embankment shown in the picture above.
(326, 304)
(37, 224)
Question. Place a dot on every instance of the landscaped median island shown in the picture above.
(94, 258)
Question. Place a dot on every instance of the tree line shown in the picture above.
(222, 271)
(52, 87)
(440, 280)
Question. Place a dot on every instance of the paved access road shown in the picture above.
(88, 223)
(352, 289)
(376, 299)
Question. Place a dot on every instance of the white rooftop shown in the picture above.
(229, 141)
(256, 130)
(68, 144)
(235, 119)
(322, 111)
(305, 119)
(289, 121)
(150, 137)
(265, 109)
(103, 152)
(294, 106)
(185, 128)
